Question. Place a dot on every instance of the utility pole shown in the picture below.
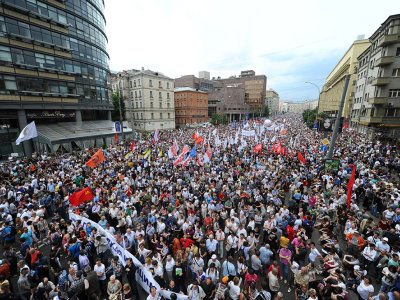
(339, 116)
(120, 117)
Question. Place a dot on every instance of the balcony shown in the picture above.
(389, 39)
(380, 81)
(377, 100)
(383, 61)
(368, 120)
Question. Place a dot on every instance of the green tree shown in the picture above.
(116, 98)
(266, 111)
(309, 117)
(217, 119)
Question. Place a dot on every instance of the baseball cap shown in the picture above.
(385, 239)
(213, 256)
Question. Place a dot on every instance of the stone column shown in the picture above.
(109, 115)
(22, 122)
(78, 117)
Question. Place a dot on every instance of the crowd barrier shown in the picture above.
(143, 277)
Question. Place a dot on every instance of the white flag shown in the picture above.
(29, 132)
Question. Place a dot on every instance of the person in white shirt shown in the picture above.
(369, 254)
(234, 288)
(169, 266)
(153, 294)
(314, 253)
(365, 289)
(383, 245)
(100, 270)
(220, 237)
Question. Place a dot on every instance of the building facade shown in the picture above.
(376, 109)
(332, 90)
(149, 97)
(228, 101)
(202, 83)
(272, 101)
(191, 106)
(53, 68)
(254, 87)
(297, 107)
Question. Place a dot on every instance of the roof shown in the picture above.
(64, 132)
(187, 89)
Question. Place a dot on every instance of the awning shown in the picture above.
(81, 133)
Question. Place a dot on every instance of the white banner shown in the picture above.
(143, 277)
(248, 132)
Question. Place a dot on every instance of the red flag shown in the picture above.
(278, 149)
(350, 184)
(80, 197)
(115, 138)
(181, 155)
(257, 148)
(300, 157)
(199, 140)
(283, 150)
(132, 146)
(96, 159)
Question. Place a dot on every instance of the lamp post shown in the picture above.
(319, 96)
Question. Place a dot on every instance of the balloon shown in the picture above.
(267, 123)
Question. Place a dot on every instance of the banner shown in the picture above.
(143, 277)
(248, 132)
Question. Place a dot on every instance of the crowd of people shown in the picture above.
(247, 224)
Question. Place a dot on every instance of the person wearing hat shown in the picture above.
(221, 288)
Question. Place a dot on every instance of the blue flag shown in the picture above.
(193, 152)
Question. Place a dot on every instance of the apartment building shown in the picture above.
(149, 99)
(376, 107)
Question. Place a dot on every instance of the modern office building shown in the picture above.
(254, 87)
(149, 98)
(376, 108)
(332, 90)
(228, 101)
(272, 102)
(191, 106)
(54, 71)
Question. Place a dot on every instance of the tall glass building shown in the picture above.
(54, 71)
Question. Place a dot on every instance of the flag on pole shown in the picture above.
(179, 159)
(132, 146)
(350, 184)
(156, 136)
(193, 152)
(146, 153)
(257, 148)
(81, 196)
(300, 157)
(186, 161)
(96, 159)
(29, 132)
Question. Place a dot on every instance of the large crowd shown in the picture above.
(247, 224)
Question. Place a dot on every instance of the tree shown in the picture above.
(217, 119)
(266, 111)
(309, 117)
(116, 99)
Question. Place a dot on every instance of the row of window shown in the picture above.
(79, 48)
(151, 116)
(87, 10)
(132, 84)
(12, 84)
(30, 58)
(59, 15)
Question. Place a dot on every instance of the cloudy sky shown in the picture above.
(289, 41)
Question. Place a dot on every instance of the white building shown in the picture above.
(149, 99)
(272, 101)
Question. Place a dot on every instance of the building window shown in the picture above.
(141, 116)
(168, 82)
(390, 112)
(168, 105)
(169, 116)
(396, 72)
(151, 94)
(130, 84)
(398, 51)
(134, 83)
(160, 104)
(151, 104)
(167, 95)
(5, 54)
(159, 84)
(136, 105)
(160, 115)
(152, 116)
(138, 82)
(150, 83)
(135, 94)
(140, 94)
(7, 83)
(394, 93)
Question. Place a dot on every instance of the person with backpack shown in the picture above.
(9, 233)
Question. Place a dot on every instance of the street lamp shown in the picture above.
(319, 96)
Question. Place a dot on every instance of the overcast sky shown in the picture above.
(289, 41)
